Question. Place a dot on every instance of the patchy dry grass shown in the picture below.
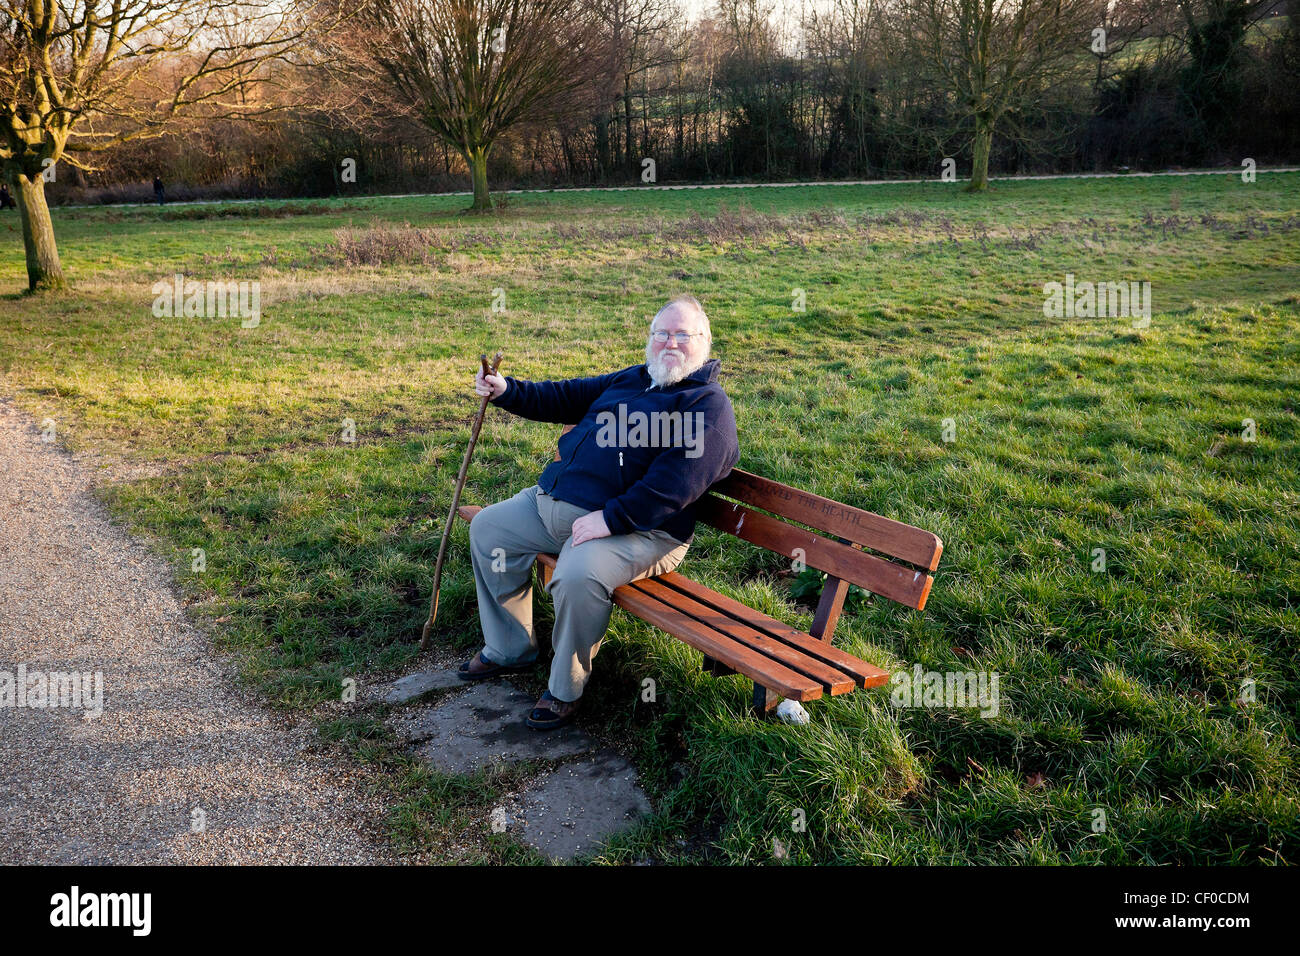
(1123, 690)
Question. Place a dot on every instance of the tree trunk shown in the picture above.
(979, 173)
(645, 126)
(477, 159)
(44, 271)
(600, 124)
(627, 125)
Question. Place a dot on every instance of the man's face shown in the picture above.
(670, 362)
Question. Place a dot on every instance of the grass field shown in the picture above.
(1126, 691)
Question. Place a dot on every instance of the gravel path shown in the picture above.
(1224, 171)
(77, 594)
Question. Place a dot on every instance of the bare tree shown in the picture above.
(993, 56)
(700, 50)
(471, 70)
(1118, 23)
(636, 31)
(80, 76)
(844, 39)
(758, 79)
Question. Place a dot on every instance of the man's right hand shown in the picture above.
(493, 385)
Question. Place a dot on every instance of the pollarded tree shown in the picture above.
(993, 56)
(81, 76)
(471, 70)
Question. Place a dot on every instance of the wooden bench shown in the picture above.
(781, 660)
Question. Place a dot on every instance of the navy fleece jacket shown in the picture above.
(641, 479)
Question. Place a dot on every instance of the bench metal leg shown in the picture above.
(716, 667)
(765, 700)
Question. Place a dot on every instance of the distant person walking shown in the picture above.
(6, 200)
(158, 189)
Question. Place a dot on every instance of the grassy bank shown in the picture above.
(1122, 690)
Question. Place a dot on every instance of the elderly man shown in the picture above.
(649, 440)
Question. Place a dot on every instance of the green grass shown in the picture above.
(1120, 690)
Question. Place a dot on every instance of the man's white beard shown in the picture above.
(664, 373)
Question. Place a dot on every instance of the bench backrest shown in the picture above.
(878, 554)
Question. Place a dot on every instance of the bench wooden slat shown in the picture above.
(782, 660)
(862, 673)
(866, 528)
(867, 675)
(893, 581)
(786, 682)
(832, 680)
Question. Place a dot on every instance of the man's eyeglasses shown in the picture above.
(681, 337)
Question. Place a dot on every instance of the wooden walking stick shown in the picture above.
(455, 499)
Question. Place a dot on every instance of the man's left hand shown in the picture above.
(591, 525)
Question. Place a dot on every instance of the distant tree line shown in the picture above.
(753, 91)
(338, 97)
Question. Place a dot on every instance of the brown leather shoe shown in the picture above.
(552, 712)
(478, 668)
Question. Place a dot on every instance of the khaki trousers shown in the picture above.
(504, 540)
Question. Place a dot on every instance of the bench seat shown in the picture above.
(779, 658)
